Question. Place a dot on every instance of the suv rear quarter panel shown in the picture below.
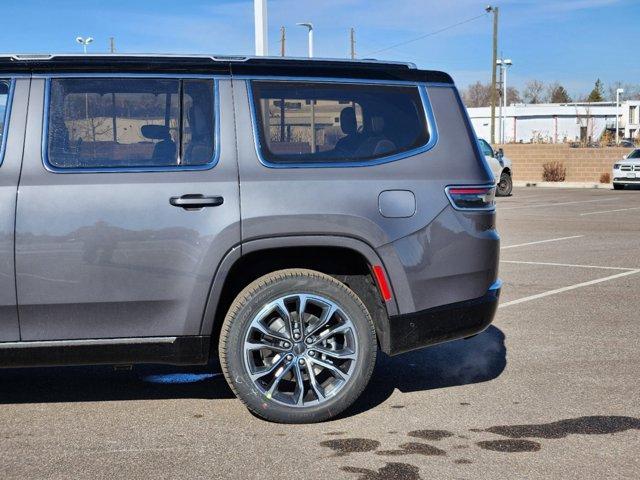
(343, 201)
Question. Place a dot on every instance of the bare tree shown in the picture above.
(513, 96)
(534, 92)
(631, 92)
(477, 95)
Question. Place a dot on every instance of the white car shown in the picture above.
(627, 172)
(500, 166)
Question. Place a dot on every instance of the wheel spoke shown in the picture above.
(299, 391)
(344, 354)
(267, 331)
(267, 370)
(339, 374)
(276, 380)
(317, 389)
(342, 328)
(262, 344)
(285, 315)
(327, 313)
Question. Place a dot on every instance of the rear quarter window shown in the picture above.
(315, 123)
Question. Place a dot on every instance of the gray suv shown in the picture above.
(287, 217)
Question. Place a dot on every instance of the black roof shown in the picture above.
(207, 64)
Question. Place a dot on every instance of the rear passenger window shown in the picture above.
(130, 122)
(332, 122)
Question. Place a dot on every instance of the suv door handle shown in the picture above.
(195, 201)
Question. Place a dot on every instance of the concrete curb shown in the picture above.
(523, 183)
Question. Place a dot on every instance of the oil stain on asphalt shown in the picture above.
(510, 446)
(593, 425)
(391, 471)
(414, 448)
(430, 434)
(346, 446)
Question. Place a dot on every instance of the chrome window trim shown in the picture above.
(174, 168)
(7, 115)
(426, 104)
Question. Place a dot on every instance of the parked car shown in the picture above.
(290, 217)
(500, 166)
(627, 172)
(627, 143)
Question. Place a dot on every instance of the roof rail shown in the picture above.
(31, 56)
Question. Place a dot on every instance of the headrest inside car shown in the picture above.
(155, 132)
(348, 123)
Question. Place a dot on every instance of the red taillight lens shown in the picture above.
(472, 198)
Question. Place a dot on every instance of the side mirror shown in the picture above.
(500, 152)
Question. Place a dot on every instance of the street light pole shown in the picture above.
(260, 25)
(309, 26)
(84, 42)
(618, 92)
(504, 64)
(495, 11)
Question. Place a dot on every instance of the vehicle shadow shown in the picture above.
(104, 383)
(462, 362)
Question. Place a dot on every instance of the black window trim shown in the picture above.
(7, 115)
(173, 168)
(426, 104)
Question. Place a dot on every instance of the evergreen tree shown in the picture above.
(597, 94)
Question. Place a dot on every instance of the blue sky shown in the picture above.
(570, 41)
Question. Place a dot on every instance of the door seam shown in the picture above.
(15, 212)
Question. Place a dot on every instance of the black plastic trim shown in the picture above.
(441, 324)
(191, 350)
(335, 68)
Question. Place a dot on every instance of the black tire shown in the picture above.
(505, 185)
(618, 186)
(246, 307)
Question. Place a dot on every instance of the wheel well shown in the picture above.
(346, 265)
(506, 170)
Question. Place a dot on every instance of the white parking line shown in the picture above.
(557, 204)
(610, 211)
(550, 264)
(541, 241)
(566, 289)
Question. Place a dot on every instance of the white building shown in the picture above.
(554, 122)
(630, 119)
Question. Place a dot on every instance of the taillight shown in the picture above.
(472, 198)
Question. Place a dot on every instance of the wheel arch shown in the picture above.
(252, 259)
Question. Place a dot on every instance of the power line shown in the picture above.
(428, 34)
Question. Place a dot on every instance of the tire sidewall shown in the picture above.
(235, 365)
(507, 190)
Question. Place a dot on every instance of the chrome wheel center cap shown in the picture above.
(299, 348)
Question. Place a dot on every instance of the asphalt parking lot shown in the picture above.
(550, 390)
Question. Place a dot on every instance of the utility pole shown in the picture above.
(112, 45)
(309, 27)
(260, 19)
(283, 39)
(353, 43)
(495, 11)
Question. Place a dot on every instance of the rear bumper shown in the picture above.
(441, 324)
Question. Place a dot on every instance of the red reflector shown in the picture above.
(385, 291)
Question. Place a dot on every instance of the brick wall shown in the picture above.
(582, 164)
